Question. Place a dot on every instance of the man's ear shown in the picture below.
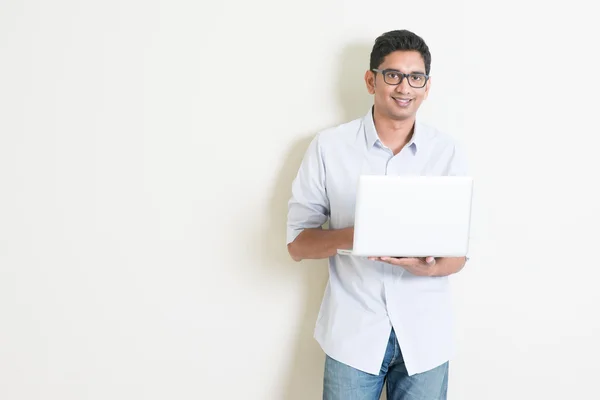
(370, 81)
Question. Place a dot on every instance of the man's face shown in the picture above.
(398, 102)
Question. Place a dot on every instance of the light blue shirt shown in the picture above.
(364, 299)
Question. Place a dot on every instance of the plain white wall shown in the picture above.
(146, 155)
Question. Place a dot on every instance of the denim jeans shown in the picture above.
(342, 382)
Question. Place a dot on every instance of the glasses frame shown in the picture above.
(384, 72)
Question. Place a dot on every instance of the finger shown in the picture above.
(404, 259)
(401, 261)
(430, 260)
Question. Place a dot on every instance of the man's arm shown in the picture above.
(317, 243)
(445, 266)
(308, 210)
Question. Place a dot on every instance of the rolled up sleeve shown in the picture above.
(308, 206)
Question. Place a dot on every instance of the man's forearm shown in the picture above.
(320, 243)
(448, 265)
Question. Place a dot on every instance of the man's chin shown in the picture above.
(401, 115)
(396, 114)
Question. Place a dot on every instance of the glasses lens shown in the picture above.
(417, 80)
(392, 78)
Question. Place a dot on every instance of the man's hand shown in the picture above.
(426, 266)
(422, 266)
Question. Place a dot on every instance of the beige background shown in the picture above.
(146, 155)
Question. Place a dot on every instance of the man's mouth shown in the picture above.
(402, 102)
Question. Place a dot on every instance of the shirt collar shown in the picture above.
(372, 137)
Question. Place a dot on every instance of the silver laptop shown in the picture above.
(412, 216)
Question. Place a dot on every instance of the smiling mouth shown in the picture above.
(402, 102)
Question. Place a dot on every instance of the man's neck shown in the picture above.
(394, 134)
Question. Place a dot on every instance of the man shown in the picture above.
(381, 319)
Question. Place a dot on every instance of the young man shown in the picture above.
(381, 319)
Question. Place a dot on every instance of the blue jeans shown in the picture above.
(342, 382)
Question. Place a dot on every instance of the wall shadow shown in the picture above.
(305, 374)
(352, 94)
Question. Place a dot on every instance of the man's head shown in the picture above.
(395, 53)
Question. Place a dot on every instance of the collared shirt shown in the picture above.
(364, 299)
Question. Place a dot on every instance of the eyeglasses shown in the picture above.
(394, 77)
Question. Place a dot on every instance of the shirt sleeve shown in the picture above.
(308, 206)
(459, 165)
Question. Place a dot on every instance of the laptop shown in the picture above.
(412, 216)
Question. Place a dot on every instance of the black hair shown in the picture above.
(399, 40)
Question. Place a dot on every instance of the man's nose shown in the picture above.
(403, 87)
